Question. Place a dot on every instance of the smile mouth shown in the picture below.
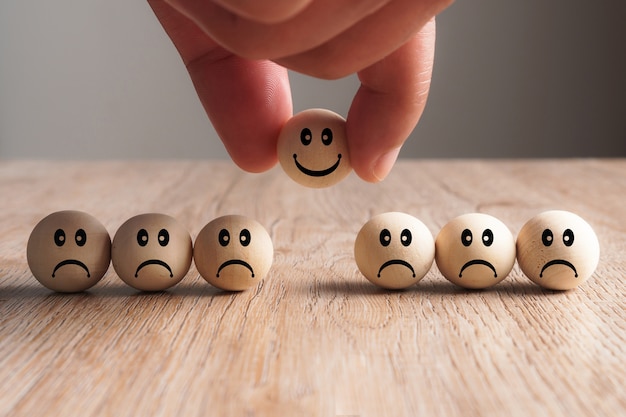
(396, 262)
(478, 262)
(559, 262)
(71, 262)
(154, 262)
(313, 173)
(234, 262)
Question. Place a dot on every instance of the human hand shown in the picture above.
(237, 53)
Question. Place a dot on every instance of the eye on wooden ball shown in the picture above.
(557, 250)
(151, 252)
(313, 148)
(475, 250)
(394, 250)
(233, 252)
(69, 251)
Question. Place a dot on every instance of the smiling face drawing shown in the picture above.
(312, 148)
(557, 250)
(394, 250)
(475, 250)
(69, 251)
(233, 252)
(151, 252)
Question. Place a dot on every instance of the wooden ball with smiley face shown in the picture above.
(151, 252)
(557, 250)
(69, 251)
(475, 250)
(394, 250)
(233, 252)
(313, 150)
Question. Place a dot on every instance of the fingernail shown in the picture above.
(383, 165)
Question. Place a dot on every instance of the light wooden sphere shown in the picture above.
(69, 251)
(233, 252)
(557, 250)
(475, 250)
(313, 149)
(394, 250)
(151, 252)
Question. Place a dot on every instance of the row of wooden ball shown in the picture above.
(70, 251)
(153, 252)
(555, 249)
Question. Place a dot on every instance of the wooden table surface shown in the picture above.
(315, 338)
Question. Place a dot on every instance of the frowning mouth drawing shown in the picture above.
(154, 262)
(71, 262)
(478, 262)
(558, 262)
(396, 262)
(235, 262)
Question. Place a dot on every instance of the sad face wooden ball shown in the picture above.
(394, 250)
(151, 252)
(233, 252)
(69, 251)
(313, 150)
(475, 250)
(557, 250)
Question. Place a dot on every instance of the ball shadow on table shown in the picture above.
(194, 286)
(27, 288)
(429, 286)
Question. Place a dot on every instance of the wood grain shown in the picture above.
(315, 338)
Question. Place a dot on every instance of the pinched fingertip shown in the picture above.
(383, 165)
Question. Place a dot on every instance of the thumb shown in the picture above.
(389, 104)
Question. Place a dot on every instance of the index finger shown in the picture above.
(247, 101)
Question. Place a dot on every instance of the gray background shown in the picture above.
(100, 79)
